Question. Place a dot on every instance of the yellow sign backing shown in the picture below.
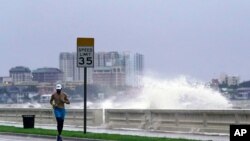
(85, 42)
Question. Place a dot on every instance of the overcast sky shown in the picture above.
(198, 38)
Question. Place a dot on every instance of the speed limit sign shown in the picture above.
(85, 52)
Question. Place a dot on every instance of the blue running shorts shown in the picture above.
(59, 112)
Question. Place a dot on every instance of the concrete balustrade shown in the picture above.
(46, 116)
(193, 121)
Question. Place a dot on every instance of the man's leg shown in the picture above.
(62, 120)
(60, 125)
(60, 113)
(58, 128)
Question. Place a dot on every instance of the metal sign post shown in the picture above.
(85, 59)
(85, 102)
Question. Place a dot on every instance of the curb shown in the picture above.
(48, 137)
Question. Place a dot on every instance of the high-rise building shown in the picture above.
(20, 74)
(51, 75)
(134, 64)
(110, 68)
(123, 69)
(68, 65)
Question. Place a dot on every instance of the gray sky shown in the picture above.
(198, 38)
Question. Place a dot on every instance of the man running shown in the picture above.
(57, 100)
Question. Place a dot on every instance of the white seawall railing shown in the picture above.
(193, 121)
(46, 116)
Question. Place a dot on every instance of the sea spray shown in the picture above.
(178, 93)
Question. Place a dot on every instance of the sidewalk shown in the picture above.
(204, 137)
(27, 137)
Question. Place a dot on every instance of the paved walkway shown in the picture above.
(203, 137)
(22, 138)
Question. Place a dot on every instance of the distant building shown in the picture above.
(71, 85)
(20, 74)
(109, 76)
(51, 75)
(229, 80)
(6, 80)
(45, 88)
(68, 65)
(118, 69)
(215, 84)
(110, 69)
(233, 80)
(134, 64)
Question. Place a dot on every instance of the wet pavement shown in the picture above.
(22, 138)
(203, 137)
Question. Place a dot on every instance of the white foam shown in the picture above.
(176, 93)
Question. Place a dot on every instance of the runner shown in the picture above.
(57, 100)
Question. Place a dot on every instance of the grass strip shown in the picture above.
(79, 134)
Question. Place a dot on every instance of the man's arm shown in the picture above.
(51, 100)
(66, 100)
